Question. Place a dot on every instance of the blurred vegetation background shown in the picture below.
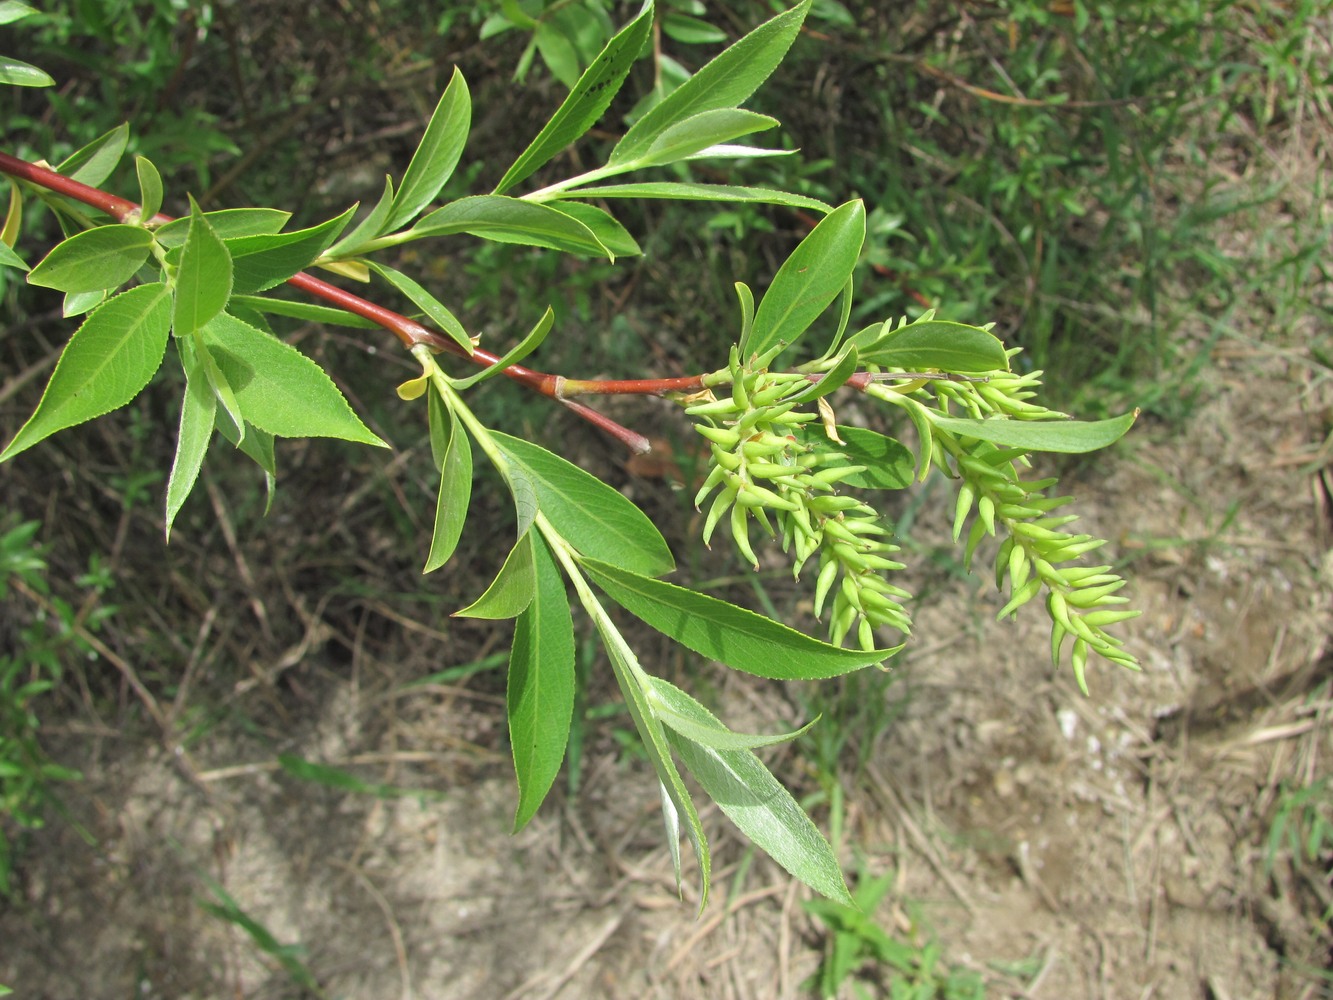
(1077, 172)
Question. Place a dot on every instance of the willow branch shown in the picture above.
(410, 332)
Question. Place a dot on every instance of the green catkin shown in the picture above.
(768, 466)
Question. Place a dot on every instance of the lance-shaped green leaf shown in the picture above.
(9, 258)
(809, 280)
(844, 312)
(540, 695)
(671, 820)
(586, 103)
(107, 362)
(690, 719)
(257, 444)
(436, 157)
(1072, 437)
(509, 220)
(745, 298)
(523, 489)
(691, 30)
(436, 310)
(677, 804)
(303, 310)
(721, 631)
(368, 228)
(78, 303)
(150, 187)
(592, 516)
(13, 223)
(765, 812)
(95, 162)
(514, 355)
(440, 419)
(197, 358)
(515, 15)
(953, 347)
(90, 261)
(700, 132)
(610, 233)
(17, 73)
(203, 277)
(227, 223)
(557, 48)
(512, 589)
(264, 455)
(15, 10)
(455, 462)
(451, 510)
(686, 191)
(260, 262)
(888, 464)
(277, 387)
(726, 82)
(198, 410)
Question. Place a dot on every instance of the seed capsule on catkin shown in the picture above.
(721, 504)
(823, 583)
(767, 470)
(724, 437)
(725, 459)
(754, 495)
(844, 617)
(717, 409)
(865, 634)
(866, 525)
(740, 531)
(762, 446)
(714, 479)
(768, 395)
(832, 504)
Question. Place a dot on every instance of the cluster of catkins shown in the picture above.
(766, 468)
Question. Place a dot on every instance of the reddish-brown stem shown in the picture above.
(52, 181)
(408, 331)
(628, 386)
